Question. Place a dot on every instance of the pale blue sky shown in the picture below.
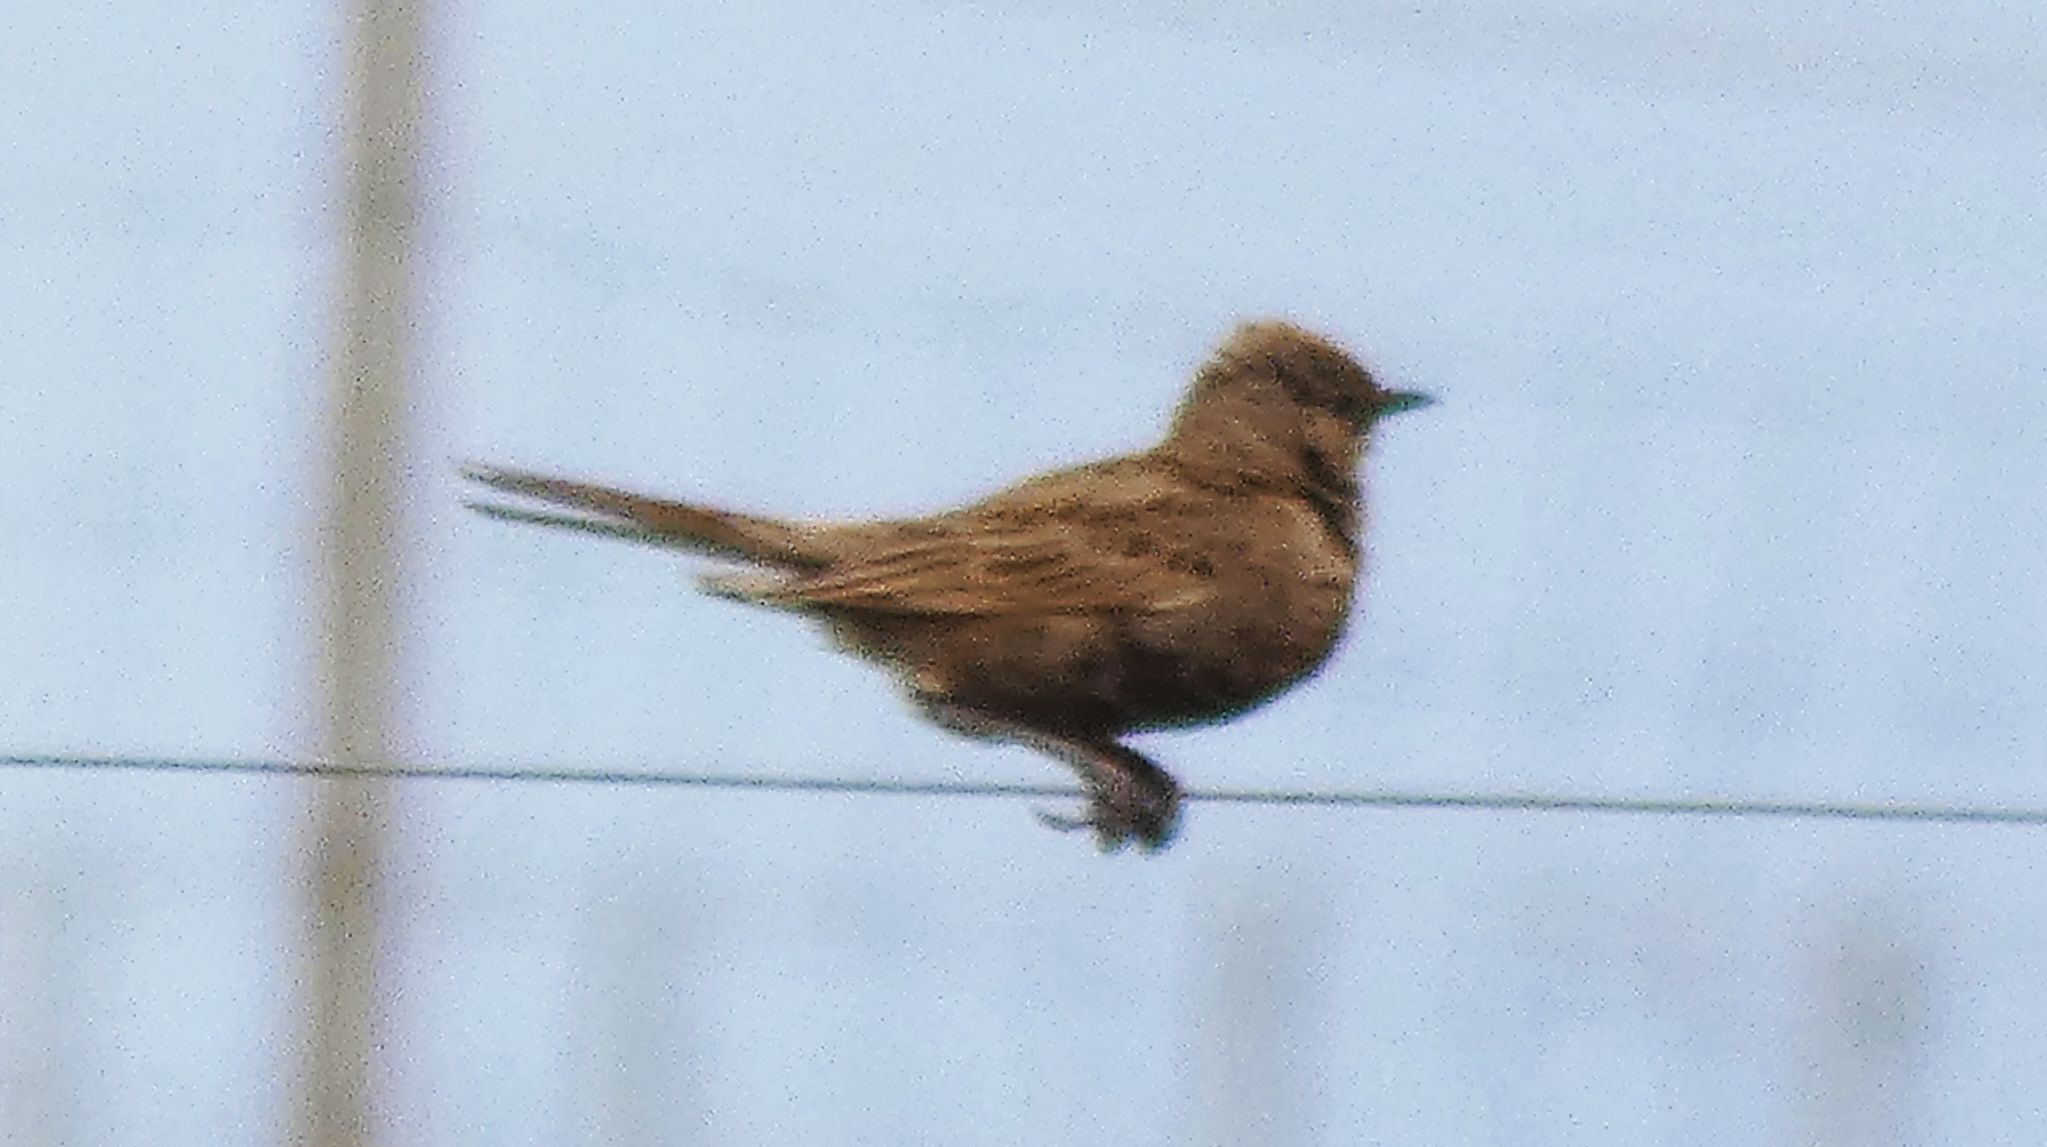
(1736, 489)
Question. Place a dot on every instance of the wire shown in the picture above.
(1322, 798)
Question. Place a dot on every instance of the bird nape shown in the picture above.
(1177, 586)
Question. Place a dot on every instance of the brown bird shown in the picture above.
(1177, 586)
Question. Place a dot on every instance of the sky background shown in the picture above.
(1737, 488)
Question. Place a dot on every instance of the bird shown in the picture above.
(1177, 586)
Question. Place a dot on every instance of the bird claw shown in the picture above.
(1129, 797)
(1061, 822)
(1150, 819)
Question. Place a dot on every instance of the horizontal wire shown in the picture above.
(1322, 798)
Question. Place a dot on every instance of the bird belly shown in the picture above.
(1107, 673)
(1228, 659)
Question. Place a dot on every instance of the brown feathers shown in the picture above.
(1177, 586)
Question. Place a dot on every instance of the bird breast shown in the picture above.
(1279, 598)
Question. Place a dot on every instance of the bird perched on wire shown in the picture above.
(1177, 586)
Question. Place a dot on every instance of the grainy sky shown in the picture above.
(1736, 490)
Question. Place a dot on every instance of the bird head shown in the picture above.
(1279, 407)
(1274, 387)
(1314, 372)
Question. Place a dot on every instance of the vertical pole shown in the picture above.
(1256, 1065)
(1866, 1033)
(360, 565)
(42, 968)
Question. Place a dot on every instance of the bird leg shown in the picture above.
(1129, 797)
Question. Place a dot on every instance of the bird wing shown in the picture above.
(982, 571)
(1122, 535)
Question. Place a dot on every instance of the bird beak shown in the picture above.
(1396, 401)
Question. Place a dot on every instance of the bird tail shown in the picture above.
(616, 513)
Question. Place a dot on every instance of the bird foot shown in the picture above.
(1129, 797)
(1125, 806)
